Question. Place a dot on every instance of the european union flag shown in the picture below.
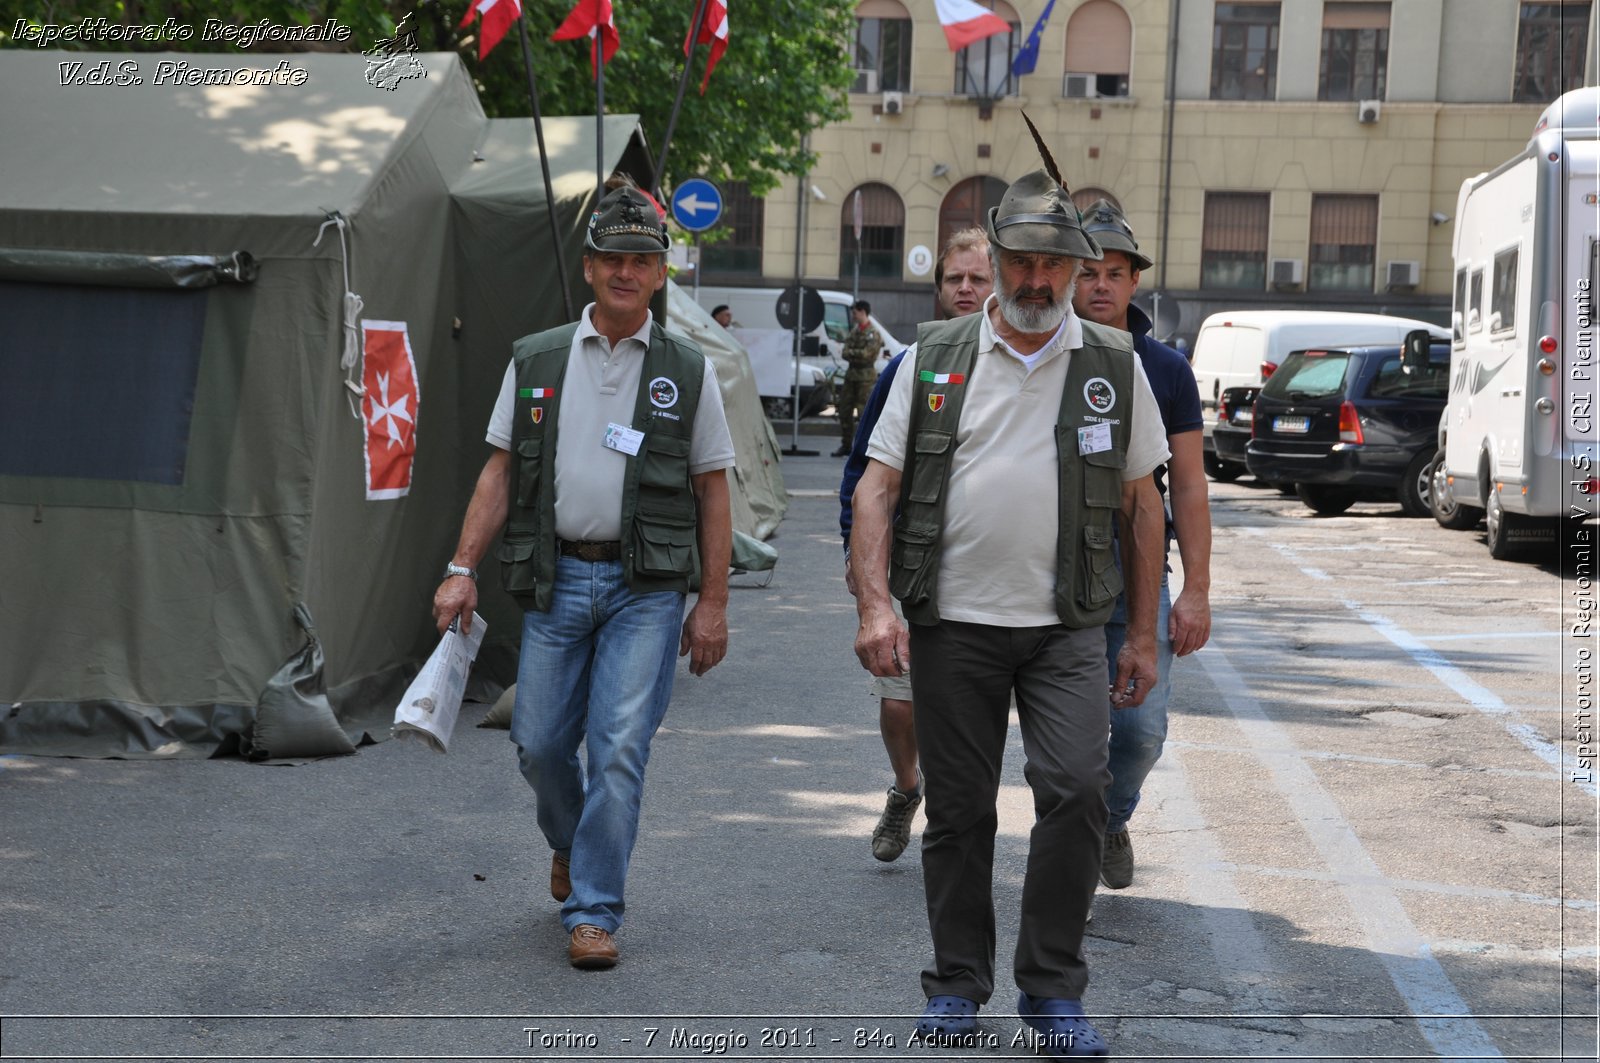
(1028, 55)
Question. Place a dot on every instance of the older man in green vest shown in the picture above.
(608, 477)
(1009, 441)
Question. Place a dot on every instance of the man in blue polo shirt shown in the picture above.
(1104, 295)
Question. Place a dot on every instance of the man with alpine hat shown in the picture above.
(1105, 294)
(1009, 440)
(607, 474)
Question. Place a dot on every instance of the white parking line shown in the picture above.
(1479, 697)
(1390, 934)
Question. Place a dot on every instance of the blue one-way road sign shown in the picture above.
(696, 204)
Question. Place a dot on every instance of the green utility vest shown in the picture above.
(659, 549)
(1099, 388)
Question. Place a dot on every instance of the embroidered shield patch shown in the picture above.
(538, 414)
(935, 403)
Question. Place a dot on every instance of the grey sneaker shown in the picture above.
(1116, 861)
(893, 832)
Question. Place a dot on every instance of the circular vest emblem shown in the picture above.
(663, 393)
(1099, 394)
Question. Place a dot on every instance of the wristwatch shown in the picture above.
(453, 569)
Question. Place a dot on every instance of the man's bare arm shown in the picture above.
(1190, 624)
(881, 641)
(486, 515)
(705, 629)
(1142, 532)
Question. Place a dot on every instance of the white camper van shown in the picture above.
(1241, 348)
(1517, 440)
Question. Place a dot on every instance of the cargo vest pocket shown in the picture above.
(529, 464)
(1102, 476)
(663, 545)
(664, 462)
(1102, 580)
(928, 471)
(519, 574)
(909, 571)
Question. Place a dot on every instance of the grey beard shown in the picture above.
(1031, 319)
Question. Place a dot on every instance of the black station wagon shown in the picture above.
(1353, 425)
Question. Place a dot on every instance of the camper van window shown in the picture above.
(1503, 296)
(1475, 304)
(836, 320)
(1458, 316)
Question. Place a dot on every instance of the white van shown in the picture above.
(1518, 437)
(1241, 348)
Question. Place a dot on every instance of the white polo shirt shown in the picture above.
(998, 561)
(601, 387)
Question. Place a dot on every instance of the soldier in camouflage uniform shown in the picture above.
(861, 356)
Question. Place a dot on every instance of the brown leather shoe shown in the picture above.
(591, 948)
(560, 877)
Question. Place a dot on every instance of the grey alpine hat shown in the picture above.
(1104, 222)
(626, 220)
(1036, 214)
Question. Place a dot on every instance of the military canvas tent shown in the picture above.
(227, 484)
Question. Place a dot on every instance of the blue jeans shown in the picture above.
(1137, 735)
(596, 668)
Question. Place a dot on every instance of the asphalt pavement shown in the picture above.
(1351, 851)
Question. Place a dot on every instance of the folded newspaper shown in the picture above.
(433, 701)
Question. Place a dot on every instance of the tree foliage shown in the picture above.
(786, 70)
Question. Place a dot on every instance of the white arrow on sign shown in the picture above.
(694, 204)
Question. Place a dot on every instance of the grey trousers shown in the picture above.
(963, 677)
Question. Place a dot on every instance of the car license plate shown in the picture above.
(1244, 417)
(1291, 424)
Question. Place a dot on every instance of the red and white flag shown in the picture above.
(966, 21)
(389, 408)
(498, 17)
(587, 18)
(713, 31)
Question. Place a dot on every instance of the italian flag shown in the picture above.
(941, 378)
(537, 393)
(966, 21)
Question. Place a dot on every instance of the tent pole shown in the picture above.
(683, 83)
(544, 164)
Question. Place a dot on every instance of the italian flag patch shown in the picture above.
(941, 378)
(536, 393)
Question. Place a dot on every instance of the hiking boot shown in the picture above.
(591, 948)
(893, 832)
(1116, 861)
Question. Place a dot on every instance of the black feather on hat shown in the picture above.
(1037, 214)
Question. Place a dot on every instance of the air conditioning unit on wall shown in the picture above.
(1288, 272)
(893, 103)
(1367, 111)
(1404, 273)
(1079, 86)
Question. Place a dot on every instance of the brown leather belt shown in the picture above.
(591, 549)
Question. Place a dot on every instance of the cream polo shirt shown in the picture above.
(998, 564)
(601, 387)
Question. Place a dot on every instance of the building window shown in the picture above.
(1344, 241)
(1552, 44)
(983, 68)
(1503, 292)
(740, 253)
(1084, 198)
(1355, 51)
(1244, 52)
(883, 47)
(967, 205)
(883, 228)
(1233, 247)
(1099, 50)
